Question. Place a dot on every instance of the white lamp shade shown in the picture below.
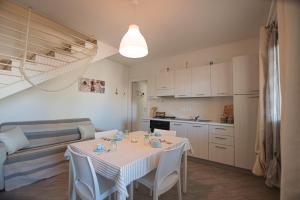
(133, 44)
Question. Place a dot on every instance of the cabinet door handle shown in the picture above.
(177, 124)
(197, 126)
(181, 95)
(221, 138)
(253, 90)
(200, 94)
(221, 93)
(220, 147)
(223, 129)
(253, 97)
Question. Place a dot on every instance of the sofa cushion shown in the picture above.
(14, 139)
(30, 165)
(48, 137)
(87, 131)
(48, 132)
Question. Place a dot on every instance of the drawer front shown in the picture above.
(221, 130)
(221, 153)
(221, 139)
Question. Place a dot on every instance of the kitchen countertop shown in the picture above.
(191, 122)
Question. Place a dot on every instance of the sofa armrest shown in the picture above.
(2, 160)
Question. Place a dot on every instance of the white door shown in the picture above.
(201, 81)
(245, 114)
(180, 128)
(183, 82)
(221, 79)
(198, 137)
(245, 74)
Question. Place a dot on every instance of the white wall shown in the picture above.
(107, 111)
(207, 108)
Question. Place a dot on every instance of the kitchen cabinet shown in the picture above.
(221, 79)
(221, 153)
(151, 86)
(144, 125)
(165, 83)
(245, 114)
(180, 128)
(221, 144)
(245, 74)
(183, 82)
(201, 86)
(198, 137)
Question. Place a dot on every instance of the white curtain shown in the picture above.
(268, 130)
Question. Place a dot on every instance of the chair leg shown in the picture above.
(150, 193)
(179, 190)
(136, 185)
(155, 196)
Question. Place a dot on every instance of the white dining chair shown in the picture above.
(167, 173)
(103, 134)
(166, 132)
(86, 184)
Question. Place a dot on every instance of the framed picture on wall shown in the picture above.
(91, 85)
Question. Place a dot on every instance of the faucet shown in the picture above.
(196, 118)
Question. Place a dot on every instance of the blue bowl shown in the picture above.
(157, 133)
(118, 137)
(155, 143)
(100, 148)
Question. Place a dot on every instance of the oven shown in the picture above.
(158, 124)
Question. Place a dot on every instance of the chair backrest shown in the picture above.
(169, 163)
(105, 134)
(166, 132)
(85, 179)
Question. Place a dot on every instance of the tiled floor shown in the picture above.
(207, 181)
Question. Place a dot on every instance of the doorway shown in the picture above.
(139, 104)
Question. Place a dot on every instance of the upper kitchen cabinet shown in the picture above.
(165, 82)
(183, 82)
(221, 79)
(201, 86)
(245, 74)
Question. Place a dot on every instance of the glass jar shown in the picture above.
(113, 145)
(146, 139)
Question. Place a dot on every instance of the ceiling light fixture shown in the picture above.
(133, 43)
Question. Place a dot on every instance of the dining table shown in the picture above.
(133, 158)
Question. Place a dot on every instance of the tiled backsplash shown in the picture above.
(207, 108)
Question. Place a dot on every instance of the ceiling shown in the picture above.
(169, 26)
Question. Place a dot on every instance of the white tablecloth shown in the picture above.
(130, 161)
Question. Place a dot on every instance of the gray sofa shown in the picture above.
(44, 157)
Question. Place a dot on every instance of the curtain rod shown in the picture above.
(272, 13)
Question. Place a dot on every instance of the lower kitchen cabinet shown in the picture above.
(210, 142)
(180, 128)
(221, 144)
(144, 125)
(221, 153)
(198, 137)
